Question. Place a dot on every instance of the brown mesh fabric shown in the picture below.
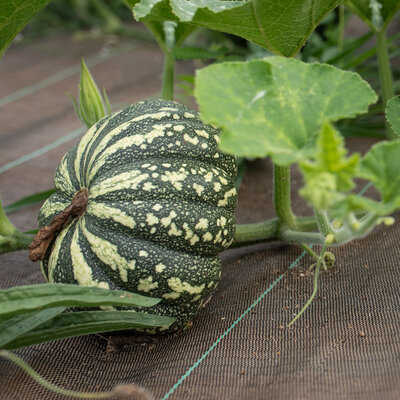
(345, 346)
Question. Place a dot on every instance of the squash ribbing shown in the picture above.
(161, 201)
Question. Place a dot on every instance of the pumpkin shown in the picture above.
(159, 208)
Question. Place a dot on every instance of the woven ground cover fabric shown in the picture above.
(345, 346)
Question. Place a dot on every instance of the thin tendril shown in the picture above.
(312, 295)
(34, 375)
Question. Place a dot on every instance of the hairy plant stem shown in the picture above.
(310, 251)
(255, 233)
(341, 22)
(324, 225)
(366, 223)
(296, 237)
(282, 201)
(385, 76)
(168, 75)
(270, 230)
(167, 91)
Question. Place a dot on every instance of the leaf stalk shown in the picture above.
(282, 200)
(324, 225)
(349, 232)
(168, 75)
(385, 76)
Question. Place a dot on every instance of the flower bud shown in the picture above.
(92, 107)
(330, 239)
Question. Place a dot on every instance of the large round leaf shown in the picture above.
(276, 106)
(279, 26)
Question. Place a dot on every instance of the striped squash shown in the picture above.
(161, 201)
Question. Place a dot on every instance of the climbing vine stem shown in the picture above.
(271, 230)
(282, 200)
(168, 76)
(385, 75)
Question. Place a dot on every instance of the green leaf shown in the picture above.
(186, 84)
(14, 15)
(381, 166)
(329, 172)
(21, 299)
(157, 28)
(17, 325)
(276, 106)
(279, 26)
(331, 158)
(393, 113)
(29, 201)
(357, 204)
(377, 14)
(88, 322)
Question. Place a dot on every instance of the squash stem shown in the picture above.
(282, 201)
(385, 76)
(168, 75)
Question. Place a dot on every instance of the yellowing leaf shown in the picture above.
(331, 158)
(330, 173)
(321, 191)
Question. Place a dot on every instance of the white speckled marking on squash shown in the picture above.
(161, 207)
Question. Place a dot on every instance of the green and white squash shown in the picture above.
(161, 201)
